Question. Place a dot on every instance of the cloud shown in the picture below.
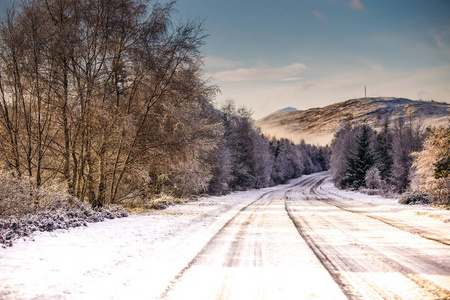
(440, 41)
(321, 17)
(213, 62)
(287, 73)
(292, 78)
(356, 5)
(369, 64)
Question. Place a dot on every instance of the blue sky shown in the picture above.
(310, 53)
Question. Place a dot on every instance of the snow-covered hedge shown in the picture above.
(415, 197)
(25, 208)
(15, 227)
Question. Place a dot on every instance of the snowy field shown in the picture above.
(140, 256)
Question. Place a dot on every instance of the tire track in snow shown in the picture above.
(259, 254)
(206, 248)
(313, 217)
(399, 224)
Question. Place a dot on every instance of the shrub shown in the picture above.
(415, 197)
(25, 209)
(371, 191)
(17, 195)
(373, 179)
(15, 227)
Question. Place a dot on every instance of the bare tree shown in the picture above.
(96, 92)
(426, 177)
(407, 138)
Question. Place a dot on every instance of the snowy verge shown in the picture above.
(424, 220)
(129, 258)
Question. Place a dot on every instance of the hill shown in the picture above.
(283, 110)
(318, 125)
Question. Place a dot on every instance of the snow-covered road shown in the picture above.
(304, 240)
(368, 257)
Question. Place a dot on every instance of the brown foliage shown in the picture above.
(105, 95)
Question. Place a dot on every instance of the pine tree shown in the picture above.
(382, 152)
(321, 159)
(360, 161)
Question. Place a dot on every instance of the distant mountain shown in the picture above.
(283, 110)
(318, 125)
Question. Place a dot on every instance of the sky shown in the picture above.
(268, 55)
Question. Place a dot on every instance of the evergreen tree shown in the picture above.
(322, 160)
(360, 161)
(382, 152)
(442, 165)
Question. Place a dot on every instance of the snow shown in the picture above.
(375, 260)
(260, 255)
(388, 205)
(138, 257)
(424, 220)
(128, 258)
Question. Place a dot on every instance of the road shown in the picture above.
(300, 243)
(303, 240)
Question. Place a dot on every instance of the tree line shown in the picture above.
(403, 156)
(109, 97)
(247, 159)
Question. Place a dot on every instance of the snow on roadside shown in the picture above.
(138, 256)
(389, 204)
(129, 258)
(424, 220)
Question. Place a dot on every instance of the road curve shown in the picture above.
(295, 244)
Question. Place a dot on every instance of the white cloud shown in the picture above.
(369, 64)
(296, 78)
(321, 17)
(356, 5)
(213, 62)
(287, 73)
(440, 41)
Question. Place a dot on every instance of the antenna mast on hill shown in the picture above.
(365, 92)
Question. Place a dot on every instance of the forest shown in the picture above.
(105, 102)
(404, 157)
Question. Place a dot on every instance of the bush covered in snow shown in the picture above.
(415, 197)
(25, 209)
(159, 202)
(14, 227)
(373, 179)
(17, 195)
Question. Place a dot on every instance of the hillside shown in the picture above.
(283, 110)
(317, 125)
